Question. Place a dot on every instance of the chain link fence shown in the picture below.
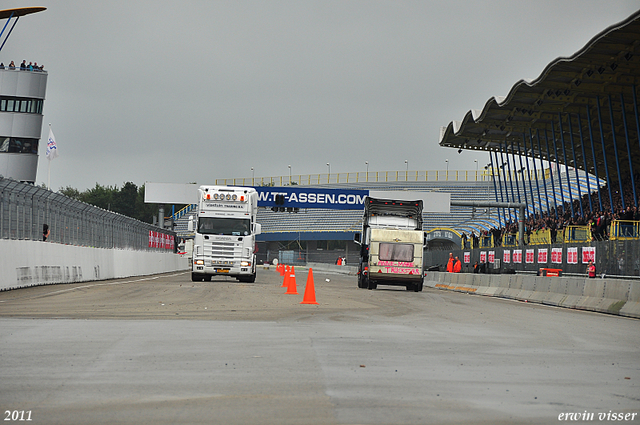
(25, 209)
(613, 257)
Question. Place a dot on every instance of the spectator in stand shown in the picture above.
(23, 65)
(12, 65)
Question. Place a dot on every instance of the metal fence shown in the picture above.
(25, 208)
(371, 177)
(612, 257)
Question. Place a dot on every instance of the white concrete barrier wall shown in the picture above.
(615, 296)
(27, 263)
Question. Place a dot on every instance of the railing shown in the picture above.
(577, 234)
(486, 241)
(510, 239)
(624, 230)
(619, 230)
(367, 177)
(540, 237)
(25, 208)
(184, 211)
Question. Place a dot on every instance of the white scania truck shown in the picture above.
(225, 233)
(391, 244)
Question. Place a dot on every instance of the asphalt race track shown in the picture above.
(165, 350)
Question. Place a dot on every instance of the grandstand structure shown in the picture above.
(314, 229)
(581, 112)
(566, 144)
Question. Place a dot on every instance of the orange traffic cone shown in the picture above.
(285, 281)
(281, 269)
(291, 288)
(309, 290)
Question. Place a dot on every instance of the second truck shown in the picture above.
(391, 244)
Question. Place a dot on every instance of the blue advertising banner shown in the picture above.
(310, 197)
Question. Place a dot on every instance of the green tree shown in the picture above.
(100, 196)
(71, 192)
(124, 200)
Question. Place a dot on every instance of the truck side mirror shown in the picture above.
(357, 238)
(190, 224)
(257, 228)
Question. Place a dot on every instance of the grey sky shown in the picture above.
(191, 91)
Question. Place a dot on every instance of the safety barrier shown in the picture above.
(620, 230)
(540, 237)
(486, 241)
(577, 234)
(510, 239)
(29, 263)
(619, 257)
(624, 230)
(614, 296)
(25, 208)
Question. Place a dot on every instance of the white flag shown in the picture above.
(52, 148)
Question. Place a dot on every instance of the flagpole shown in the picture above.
(49, 167)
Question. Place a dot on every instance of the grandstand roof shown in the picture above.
(20, 11)
(563, 102)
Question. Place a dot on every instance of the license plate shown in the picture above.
(221, 270)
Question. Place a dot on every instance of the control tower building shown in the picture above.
(22, 94)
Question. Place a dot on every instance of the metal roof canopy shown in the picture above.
(575, 100)
(17, 13)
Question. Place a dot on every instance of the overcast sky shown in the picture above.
(192, 91)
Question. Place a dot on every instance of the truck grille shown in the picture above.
(222, 252)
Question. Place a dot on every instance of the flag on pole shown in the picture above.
(52, 148)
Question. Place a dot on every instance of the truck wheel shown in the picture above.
(361, 282)
(196, 277)
(372, 285)
(206, 278)
(247, 279)
(418, 287)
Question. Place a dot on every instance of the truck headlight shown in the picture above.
(245, 263)
(199, 262)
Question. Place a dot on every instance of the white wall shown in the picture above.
(26, 263)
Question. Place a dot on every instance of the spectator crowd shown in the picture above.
(598, 220)
(32, 66)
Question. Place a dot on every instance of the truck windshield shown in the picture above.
(396, 252)
(224, 226)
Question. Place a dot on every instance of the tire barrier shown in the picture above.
(613, 296)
